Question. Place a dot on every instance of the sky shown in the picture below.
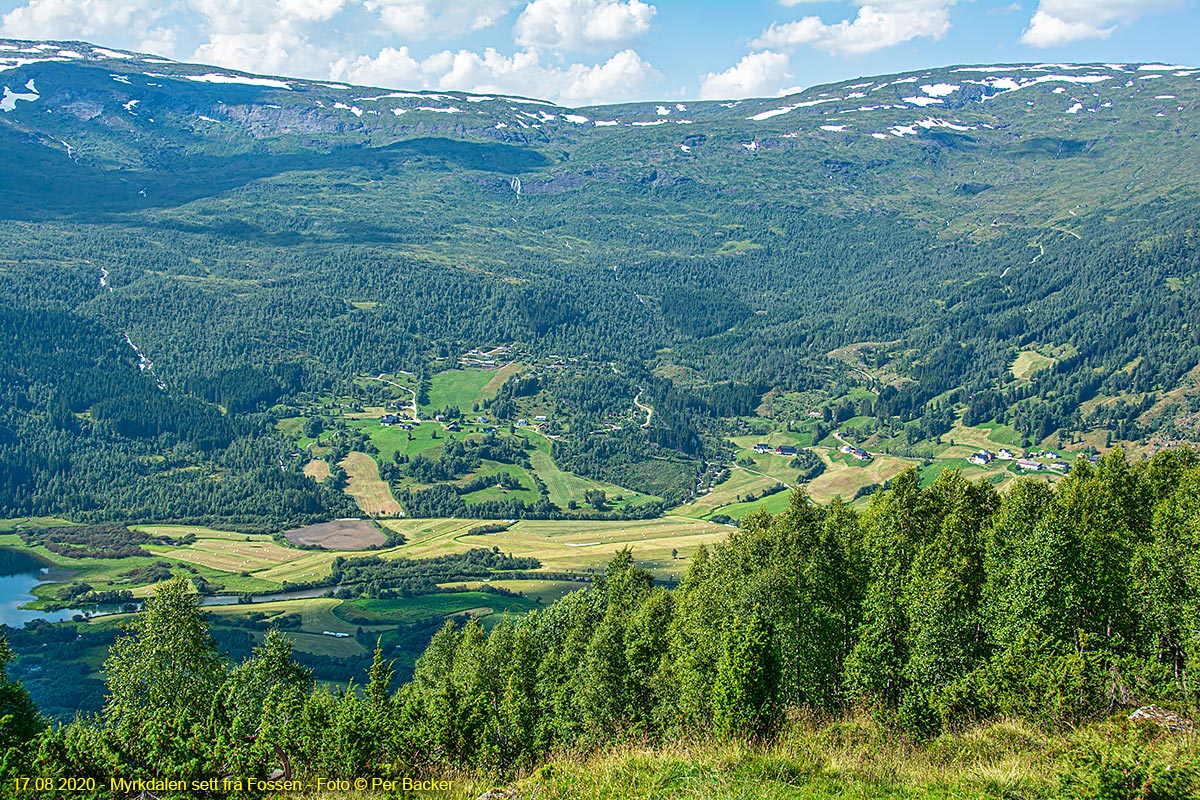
(584, 52)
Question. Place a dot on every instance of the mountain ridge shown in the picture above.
(979, 243)
(1032, 111)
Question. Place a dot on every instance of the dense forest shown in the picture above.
(150, 341)
(934, 608)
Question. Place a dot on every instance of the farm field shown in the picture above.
(842, 478)
(567, 486)
(566, 545)
(579, 546)
(389, 612)
(465, 387)
(732, 491)
(343, 534)
(317, 469)
(1028, 362)
(372, 494)
(392, 440)
(544, 592)
(772, 504)
(527, 492)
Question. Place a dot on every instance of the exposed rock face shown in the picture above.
(1162, 718)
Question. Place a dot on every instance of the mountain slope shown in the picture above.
(938, 226)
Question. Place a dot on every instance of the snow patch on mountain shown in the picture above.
(940, 89)
(9, 101)
(214, 77)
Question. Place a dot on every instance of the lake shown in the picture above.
(19, 573)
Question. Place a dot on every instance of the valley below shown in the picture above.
(774, 447)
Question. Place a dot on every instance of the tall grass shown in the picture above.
(858, 759)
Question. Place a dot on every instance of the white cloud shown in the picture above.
(422, 19)
(624, 76)
(300, 38)
(878, 24)
(279, 52)
(82, 19)
(575, 24)
(756, 75)
(1058, 22)
(311, 10)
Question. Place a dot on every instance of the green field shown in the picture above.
(565, 545)
(728, 494)
(475, 603)
(1028, 362)
(459, 387)
(392, 440)
(527, 493)
(772, 504)
(567, 486)
(541, 592)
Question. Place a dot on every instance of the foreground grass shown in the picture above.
(858, 759)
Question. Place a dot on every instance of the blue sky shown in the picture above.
(579, 52)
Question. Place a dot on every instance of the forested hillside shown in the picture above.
(1012, 245)
(933, 610)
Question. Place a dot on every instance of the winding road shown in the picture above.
(637, 401)
(413, 392)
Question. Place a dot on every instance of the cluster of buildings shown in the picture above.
(394, 421)
(857, 452)
(484, 358)
(1037, 466)
(984, 458)
(782, 450)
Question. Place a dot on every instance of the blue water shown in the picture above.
(19, 573)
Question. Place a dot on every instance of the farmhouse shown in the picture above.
(1060, 466)
(860, 454)
(785, 450)
(388, 420)
(1005, 454)
(982, 458)
(1025, 463)
(762, 449)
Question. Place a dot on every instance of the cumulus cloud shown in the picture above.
(576, 24)
(131, 20)
(878, 24)
(1058, 22)
(311, 10)
(756, 75)
(278, 52)
(624, 76)
(422, 19)
(299, 38)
